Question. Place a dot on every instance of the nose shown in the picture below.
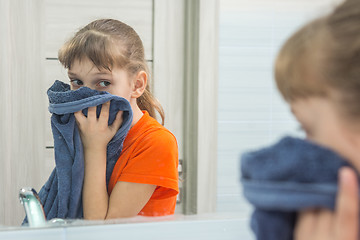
(83, 84)
(88, 85)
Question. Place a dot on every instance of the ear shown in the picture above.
(140, 83)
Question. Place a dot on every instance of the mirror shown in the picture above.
(250, 34)
(27, 150)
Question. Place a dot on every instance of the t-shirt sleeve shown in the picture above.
(154, 161)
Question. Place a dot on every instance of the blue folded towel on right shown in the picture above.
(287, 177)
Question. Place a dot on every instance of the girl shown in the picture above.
(318, 73)
(108, 55)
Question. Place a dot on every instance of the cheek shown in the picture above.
(124, 92)
(305, 126)
(325, 133)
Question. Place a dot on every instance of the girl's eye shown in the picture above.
(76, 82)
(104, 83)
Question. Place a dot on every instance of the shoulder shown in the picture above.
(161, 135)
(157, 141)
(155, 133)
(155, 151)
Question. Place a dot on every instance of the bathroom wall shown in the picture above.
(21, 121)
(251, 113)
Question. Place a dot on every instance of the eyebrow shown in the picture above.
(98, 73)
(103, 73)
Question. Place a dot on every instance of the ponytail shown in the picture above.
(148, 102)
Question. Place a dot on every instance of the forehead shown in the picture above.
(85, 66)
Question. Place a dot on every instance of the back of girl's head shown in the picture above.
(343, 66)
(296, 61)
(323, 59)
(109, 43)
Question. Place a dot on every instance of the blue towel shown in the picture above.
(61, 194)
(282, 179)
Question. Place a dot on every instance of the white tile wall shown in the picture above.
(251, 112)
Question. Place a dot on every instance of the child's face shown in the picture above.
(85, 74)
(322, 123)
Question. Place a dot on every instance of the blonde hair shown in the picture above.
(109, 43)
(294, 67)
(323, 58)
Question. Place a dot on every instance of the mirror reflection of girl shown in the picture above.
(108, 55)
(318, 74)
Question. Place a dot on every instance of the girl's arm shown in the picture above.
(127, 199)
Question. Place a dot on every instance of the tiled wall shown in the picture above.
(251, 112)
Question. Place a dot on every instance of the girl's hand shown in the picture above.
(343, 224)
(95, 132)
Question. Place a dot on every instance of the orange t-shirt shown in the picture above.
(150, 156)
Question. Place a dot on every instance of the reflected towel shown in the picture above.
(61, 194)
(285, 178)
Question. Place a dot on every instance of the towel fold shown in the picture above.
(61, 194)
(287, 177)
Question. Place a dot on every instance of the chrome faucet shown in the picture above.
(33, 208)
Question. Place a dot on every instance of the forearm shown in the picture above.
(95, 196)
(95, 135)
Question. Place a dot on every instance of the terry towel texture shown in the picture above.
(61, 194)
(282, 179)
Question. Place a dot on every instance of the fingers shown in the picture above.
(324, 226)
(79, 116)
(347, 205)
(104, 115)
(103, 118)
(314, 224)
(117, 122)
(343, 224)
(91, 113)
(305, 225)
